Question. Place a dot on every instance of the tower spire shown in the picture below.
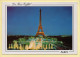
(40, 17)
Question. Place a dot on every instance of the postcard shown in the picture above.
(39, 28)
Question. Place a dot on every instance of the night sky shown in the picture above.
(25, 20)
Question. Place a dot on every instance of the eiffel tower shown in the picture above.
(40, 27)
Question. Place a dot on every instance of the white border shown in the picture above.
(74, 27)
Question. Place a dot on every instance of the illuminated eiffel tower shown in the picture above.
(40, 27)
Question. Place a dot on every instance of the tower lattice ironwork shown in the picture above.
(40, 27)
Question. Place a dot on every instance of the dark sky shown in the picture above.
(25, 20)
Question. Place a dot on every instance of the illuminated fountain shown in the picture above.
(35, 43)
